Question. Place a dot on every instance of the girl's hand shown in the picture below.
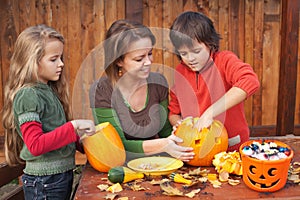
(84, 126)
(182, 153)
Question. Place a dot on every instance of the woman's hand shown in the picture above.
(173, 149)
(174, 127)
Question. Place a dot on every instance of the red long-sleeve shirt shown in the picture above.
(193, 92)
(39, 143)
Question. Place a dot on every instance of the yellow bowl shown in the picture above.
(155, 165)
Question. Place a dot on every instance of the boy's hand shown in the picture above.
(203, 122)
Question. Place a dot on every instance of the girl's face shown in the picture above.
(137, 61)
(51, 64)
(196, 57)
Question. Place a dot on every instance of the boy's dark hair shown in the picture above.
(190, 26)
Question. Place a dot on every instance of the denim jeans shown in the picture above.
(52, 187)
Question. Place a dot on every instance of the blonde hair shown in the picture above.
(118, 37)
(28, 51)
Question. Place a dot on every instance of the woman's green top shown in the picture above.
(108, 105)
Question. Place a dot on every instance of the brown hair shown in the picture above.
(190, 26)
(118, 37)
(28, 51)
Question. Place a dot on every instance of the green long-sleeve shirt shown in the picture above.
(39, 103)
(151, 122)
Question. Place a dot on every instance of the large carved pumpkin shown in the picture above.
(104, 149)
(265, 175)
(206, 143)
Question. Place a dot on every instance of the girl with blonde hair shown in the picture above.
(36, 115)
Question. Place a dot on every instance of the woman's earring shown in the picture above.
(120, 72)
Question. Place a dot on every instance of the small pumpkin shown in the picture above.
(123, 174)
(104, 150)
(206, 143)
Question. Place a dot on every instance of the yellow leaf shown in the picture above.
(211, 177)
(115, 188)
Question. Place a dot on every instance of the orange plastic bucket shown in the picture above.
(265, 175)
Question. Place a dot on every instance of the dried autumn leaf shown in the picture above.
(192, 193)
(115, 188)
(233, 182)
(111, 196)
(198, 172)
(195, 182)
(223, 176)
(203, 179)
(139, 180)
(186, 175)
(123, 198)
(158, 182)
(293, 177)
(296, 170)
(102, 187)
(216, 183)
(136, 187)
(297, 181)
(169, 190)
(296, 163)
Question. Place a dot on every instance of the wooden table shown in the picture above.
(87, 188)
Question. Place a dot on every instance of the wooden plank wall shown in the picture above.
(250, 28)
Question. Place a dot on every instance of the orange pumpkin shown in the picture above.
(206, 143)
(104, 149)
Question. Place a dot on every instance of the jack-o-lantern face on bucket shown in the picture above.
(262, 176)
(265, 175)
(206, 143)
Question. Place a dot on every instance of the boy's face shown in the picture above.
(195, 57)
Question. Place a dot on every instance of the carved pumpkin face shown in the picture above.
(265, 175)
(100, 147)
(206, 143)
